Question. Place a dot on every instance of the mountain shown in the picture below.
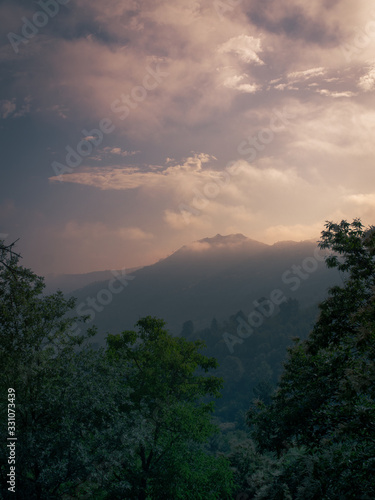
(212, 277)
(67, 283)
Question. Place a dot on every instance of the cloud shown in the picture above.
(297, 76)
(281, 86)
(124, 178)
(297, 20)
(97, 54)
(191, 164)
(119, 151)
(245, 46)
(198, 246)
(99, 230)
(307, 165)
(336, 95)
(362, 200)
(293, 232)
(225, 77)
(7, 108)
(78, 238)
(236, 82)
(25, 108)
(107, 178)
(109, 151)
(367, 82)
(180, 220)
(360, 205)
(135, 233)
(60, 110)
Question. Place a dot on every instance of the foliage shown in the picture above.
(43, 361)
(127, 422)
(171, 399)
(256, 366)
(325, 400)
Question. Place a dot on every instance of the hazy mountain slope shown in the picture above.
(212, 277)
(67, 283)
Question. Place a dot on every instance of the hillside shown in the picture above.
(212, 277)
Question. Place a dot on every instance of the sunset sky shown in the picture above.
(130, 128)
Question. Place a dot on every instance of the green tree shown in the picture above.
(187, 329)
(64, 393)
(169, 389)
(325, 399)
(127, 422)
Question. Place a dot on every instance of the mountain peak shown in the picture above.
(223, 244)
(217, 247)
(223, 240)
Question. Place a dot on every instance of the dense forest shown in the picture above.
(289, 414)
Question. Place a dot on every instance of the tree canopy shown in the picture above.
(128, 421)
(323, 411)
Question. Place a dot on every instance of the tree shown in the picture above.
(187, 329)
(127, 422)
(171, 398)
(60, 400)
(325, 399)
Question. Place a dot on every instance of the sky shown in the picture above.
(130, 128)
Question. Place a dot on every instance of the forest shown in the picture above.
(156, 415)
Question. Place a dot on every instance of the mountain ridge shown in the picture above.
(197, 284)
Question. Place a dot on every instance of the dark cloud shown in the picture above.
(284, 18)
